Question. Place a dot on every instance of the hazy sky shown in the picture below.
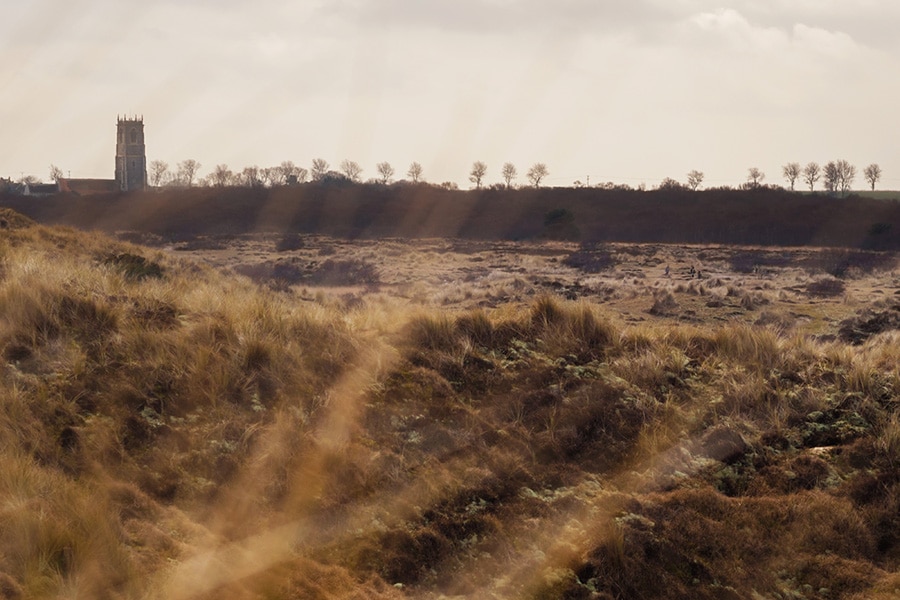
(628, 91)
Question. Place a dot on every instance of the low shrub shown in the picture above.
(591, 259)
(133, 266)
(843, 263)
(664, 304)
(825, 288)
(289, 242)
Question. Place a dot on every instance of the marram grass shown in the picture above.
(178, 432)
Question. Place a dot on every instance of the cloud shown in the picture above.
(731, 29)
(446, 82)
(833, 44)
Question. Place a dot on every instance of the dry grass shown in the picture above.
(168, 430)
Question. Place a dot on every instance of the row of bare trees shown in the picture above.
(186, 173)
(836, 175)
(535, 174)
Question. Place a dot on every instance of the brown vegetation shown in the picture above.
(760, 216)
(169, 430)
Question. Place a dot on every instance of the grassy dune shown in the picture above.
(170, 431)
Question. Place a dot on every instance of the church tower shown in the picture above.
(131, 155)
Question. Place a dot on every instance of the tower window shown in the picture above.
(133, 136)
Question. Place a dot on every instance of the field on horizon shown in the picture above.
(284, 415)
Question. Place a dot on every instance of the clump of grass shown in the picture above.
(58, 536)
(133, 266)
(888, 441)
(477, 327)
(434, 333)
(572, 328)
(779, 321)
(826, 287)
(754, 348)
(664, 304)
(753, 300)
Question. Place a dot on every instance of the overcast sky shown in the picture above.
(628, 91)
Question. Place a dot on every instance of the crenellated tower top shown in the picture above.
(131, 153)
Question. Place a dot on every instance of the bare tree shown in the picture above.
(55, 173)
(839, 176)
(694, 179)
(509, 173)
(872, 173)
(221, 176)
(536, 173)
(158, 170)
(351, 169)
(791, 172)
(477, 173)
(250, 177)
(270, 176)
(811, 174)
(281, 173)
(287, 173)
(318, 169)
(831, 177)
(28, 180)
(415, 172)
(754, 177)
(386, 171)
(187, 170)
(846, 175)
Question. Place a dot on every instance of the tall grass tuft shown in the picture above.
(755, 348)
(434, 332)
(477, 327)
(573, 329)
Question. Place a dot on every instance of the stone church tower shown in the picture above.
(131, 155)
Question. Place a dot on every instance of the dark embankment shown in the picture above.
(758, 217)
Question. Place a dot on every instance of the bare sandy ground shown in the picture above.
(789, 288)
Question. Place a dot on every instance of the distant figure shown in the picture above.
(698, 274)
(692, 271)
(667, 270)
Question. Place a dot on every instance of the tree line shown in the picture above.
(837, 176)
(185, 174)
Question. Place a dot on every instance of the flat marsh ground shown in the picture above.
(793, 288)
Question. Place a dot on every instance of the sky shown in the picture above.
(628, 91)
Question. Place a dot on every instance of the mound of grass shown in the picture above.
(826, 287)
(869, 322)
(330, 272)
(133, 266)
(843, 263)
(750, 261)
(199, 436)
(591, 259)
